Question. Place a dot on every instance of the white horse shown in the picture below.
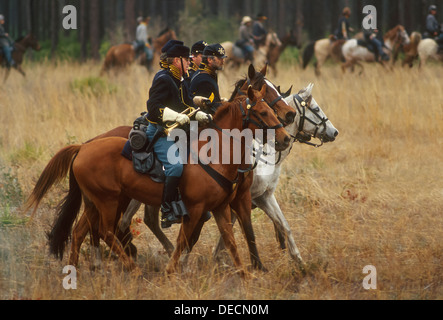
(354, 53)
(428, 49)
(310, 122)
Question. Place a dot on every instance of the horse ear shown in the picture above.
(251, 71)
(309, 89)
(288, 93)
(263, 90)
(264, 70)
(309, 100)
(251, 93)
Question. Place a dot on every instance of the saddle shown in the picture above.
(238, 52)
(366, 45)
(140, 151)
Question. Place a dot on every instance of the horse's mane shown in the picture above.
(164, 31)
(391, 34)
(258, 80)
(19, 38)
(231, 108)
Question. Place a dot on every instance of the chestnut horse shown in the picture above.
(98, 171)
(285, 114)
(120, 56)
(20, 47)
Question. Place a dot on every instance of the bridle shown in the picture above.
(246, 116)
(270, 104)
(301, 136)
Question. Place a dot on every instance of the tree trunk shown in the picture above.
(94, 30)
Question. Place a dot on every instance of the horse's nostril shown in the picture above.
(290, 116)
(336, 133)
(287, 140)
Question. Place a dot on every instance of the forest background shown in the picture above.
(102, 23)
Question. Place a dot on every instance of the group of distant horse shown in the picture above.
(351, 52)
(347, 52)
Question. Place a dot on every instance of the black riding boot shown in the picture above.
(172, 207)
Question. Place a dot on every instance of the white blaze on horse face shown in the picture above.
(270, 85)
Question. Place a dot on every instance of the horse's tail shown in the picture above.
(109, 61)
(67, 212)
(308, 53)
(55, 171)
(415, 38)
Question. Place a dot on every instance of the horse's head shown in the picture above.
(33, 42)
(284, 112)
(398, 35)
(260, 116)
(292, 39)
(310, 121)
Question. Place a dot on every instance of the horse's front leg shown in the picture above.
(269, 205)
(223, 218)
(184, 238)
(242, 206)
(151, 220)
(19, 69)
(6, 75)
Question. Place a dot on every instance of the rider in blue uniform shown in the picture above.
(165, 105)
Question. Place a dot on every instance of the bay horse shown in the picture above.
(98, 171)
(354, 53)
(123, 55)
(21, 45)
(276, 51)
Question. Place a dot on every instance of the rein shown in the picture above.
(270, 104)
(226, 184)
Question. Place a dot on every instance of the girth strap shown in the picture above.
(228, 185)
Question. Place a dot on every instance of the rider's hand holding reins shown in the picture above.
(203, 118)
(172, 116)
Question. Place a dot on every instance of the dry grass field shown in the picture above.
(372, 197)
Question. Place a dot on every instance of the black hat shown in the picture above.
(170, 44)
(198, 47)
(262, 16)
(214, 50)
(178, 51)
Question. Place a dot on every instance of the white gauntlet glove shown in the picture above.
(201, 102)
(202, 117)
(170, 115)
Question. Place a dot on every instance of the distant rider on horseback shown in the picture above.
(433, 28)
(259, 31)
(246, 41)
(371, 39)
(344, 29)
(6, 44)
(142, 38)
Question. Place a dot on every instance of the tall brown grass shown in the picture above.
(373, 197)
